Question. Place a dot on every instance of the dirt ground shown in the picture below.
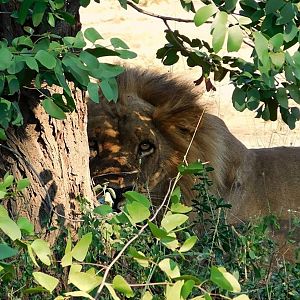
(145, 34)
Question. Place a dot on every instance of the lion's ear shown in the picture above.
(182, 116)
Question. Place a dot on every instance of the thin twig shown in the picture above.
(193, 137)
(165, 18)
(129, 243)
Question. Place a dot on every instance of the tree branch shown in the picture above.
(164, 18)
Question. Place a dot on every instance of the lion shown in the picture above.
(138, 143)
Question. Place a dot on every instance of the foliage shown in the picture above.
(269, 80)
(35, 61)
(132, 254)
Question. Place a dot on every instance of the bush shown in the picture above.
(135, 255)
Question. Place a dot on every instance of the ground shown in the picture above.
(145, 34)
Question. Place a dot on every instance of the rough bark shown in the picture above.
(53, 154)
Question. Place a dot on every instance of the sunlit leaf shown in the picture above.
(46, 281)
(235, 38)
(204, 13)
(92, 35)
(171, 221)
(224, 279)
(42, 249)
(170, 267)
(219, 31)
(81, 248)
(188, 244)
(25, 225)
(120, 284)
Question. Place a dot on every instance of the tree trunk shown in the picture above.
(53, 154)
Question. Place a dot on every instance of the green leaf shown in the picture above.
(139, 257)
(108, 90)
(278, 59)
(204, 13)
(90, 60)
(67, 258)
(276, 41)
(171, 221)
(38, 13)
(219, 31)
(10, 228)
(118, 43)
(235, 38)
(290, 31)
(13, 84)
(3, 137)
(135, 196)
(188, 244)
(170, 267)
(112, 292)
(176, 195)
(147, 296)
(25, 225)
(8, 181)
(241, 297)
(24, 10)
(230, 5)
(100, 51)
(103, 210)
(294, 92)
(51, 20)
(253, 99)
(261, 47)
(7, 252)
(173, 292)
(79, 294)
(92, 35)
(22, 184)
(84, 3)
(93, 90)
(85, 281)
(238, 99)
(42, 250)
(282, 97)
(137, 212)
(180, 208)
(287, 14)
(157, 232)
(79, 41)
(52, 109)
(81, 248)
(120, 284)
(171, 57)
(187, 288)
(126, 54)
(192, 168)
(46, 281)
(46, 59)
(273, 5)
(224, 279)
(31, 63)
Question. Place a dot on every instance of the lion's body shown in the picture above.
(160, 113)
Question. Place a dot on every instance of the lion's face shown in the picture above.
(127, 149)
(138, 142)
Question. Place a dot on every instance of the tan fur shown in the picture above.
(164, 110)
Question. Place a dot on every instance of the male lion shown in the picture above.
(139, 142)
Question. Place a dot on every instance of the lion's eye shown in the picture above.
(146, 148)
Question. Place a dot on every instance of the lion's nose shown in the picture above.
(120, 191)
